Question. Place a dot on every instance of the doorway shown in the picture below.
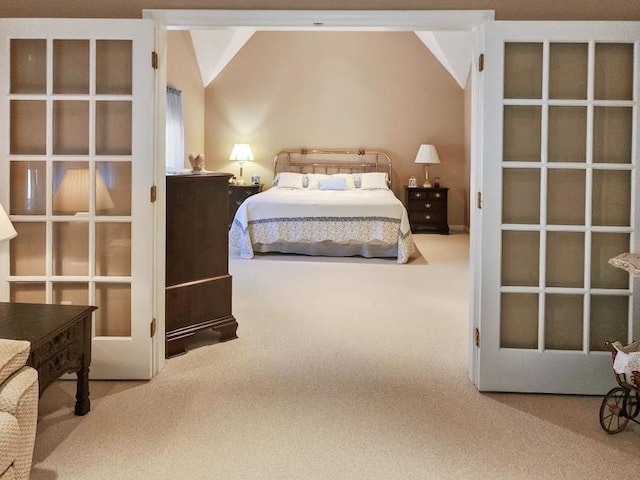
(469, 22)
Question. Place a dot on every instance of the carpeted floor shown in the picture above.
(343, 369)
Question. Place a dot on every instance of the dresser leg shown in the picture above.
(227, 329)
(175, 347)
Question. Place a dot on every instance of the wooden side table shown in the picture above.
(238, 194)
(427, 208)
(60, 337)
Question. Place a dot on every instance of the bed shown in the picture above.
(325, 202)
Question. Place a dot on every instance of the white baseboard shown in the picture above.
(459, 228)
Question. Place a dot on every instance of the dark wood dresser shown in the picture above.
(198, 284)
(427, 208)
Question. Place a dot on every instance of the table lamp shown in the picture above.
(427, 154)
(241, 153)
(73, 194)
(7, 232)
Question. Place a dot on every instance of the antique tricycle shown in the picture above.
(622, 403)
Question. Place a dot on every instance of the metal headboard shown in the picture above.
(305, 160)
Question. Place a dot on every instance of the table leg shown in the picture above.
(83, 405)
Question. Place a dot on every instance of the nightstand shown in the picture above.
(237, 195)
(427, 208)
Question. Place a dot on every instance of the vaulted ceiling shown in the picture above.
(214, 49)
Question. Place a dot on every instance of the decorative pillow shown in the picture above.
(374, 181)
(348, 177)
(313, 179)
(357, 177)
(290, 180)
(332, 183)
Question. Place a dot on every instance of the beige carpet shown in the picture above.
(344, 369)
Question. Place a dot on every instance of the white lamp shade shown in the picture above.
(7, 232)
(427, 154)
(241, 153)
(73, 194)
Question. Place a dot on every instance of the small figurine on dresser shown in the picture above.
(196, 161)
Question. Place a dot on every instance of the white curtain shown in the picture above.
(175, 130)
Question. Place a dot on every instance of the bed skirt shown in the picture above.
(330, 249)
(364, 237)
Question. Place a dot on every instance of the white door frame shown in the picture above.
(476, 125)
(159, 360)
(318, 20)
(323, 20)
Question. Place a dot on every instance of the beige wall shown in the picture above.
(505, 9)
(183, 74)
(339, 90)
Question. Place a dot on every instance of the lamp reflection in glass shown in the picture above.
(7, 232)
(427, 154)
(72, 196)
(241, 153)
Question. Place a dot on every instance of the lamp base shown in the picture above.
(427, 183)
(240, 180)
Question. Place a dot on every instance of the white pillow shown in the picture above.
(351, 184)
(290, 180)
(333, 183)
(374, 181)
(313, 180)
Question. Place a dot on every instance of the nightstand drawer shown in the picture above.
(238, 194)
(427, 206)
(426, 194)
(427, 217)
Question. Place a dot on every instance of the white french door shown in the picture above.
(76, 166)
(560, 197)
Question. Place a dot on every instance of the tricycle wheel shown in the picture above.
(613, 416)
(633, 404)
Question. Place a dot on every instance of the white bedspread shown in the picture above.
(367, 218)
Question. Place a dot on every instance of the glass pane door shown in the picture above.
(79, 145)
(563, 163)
